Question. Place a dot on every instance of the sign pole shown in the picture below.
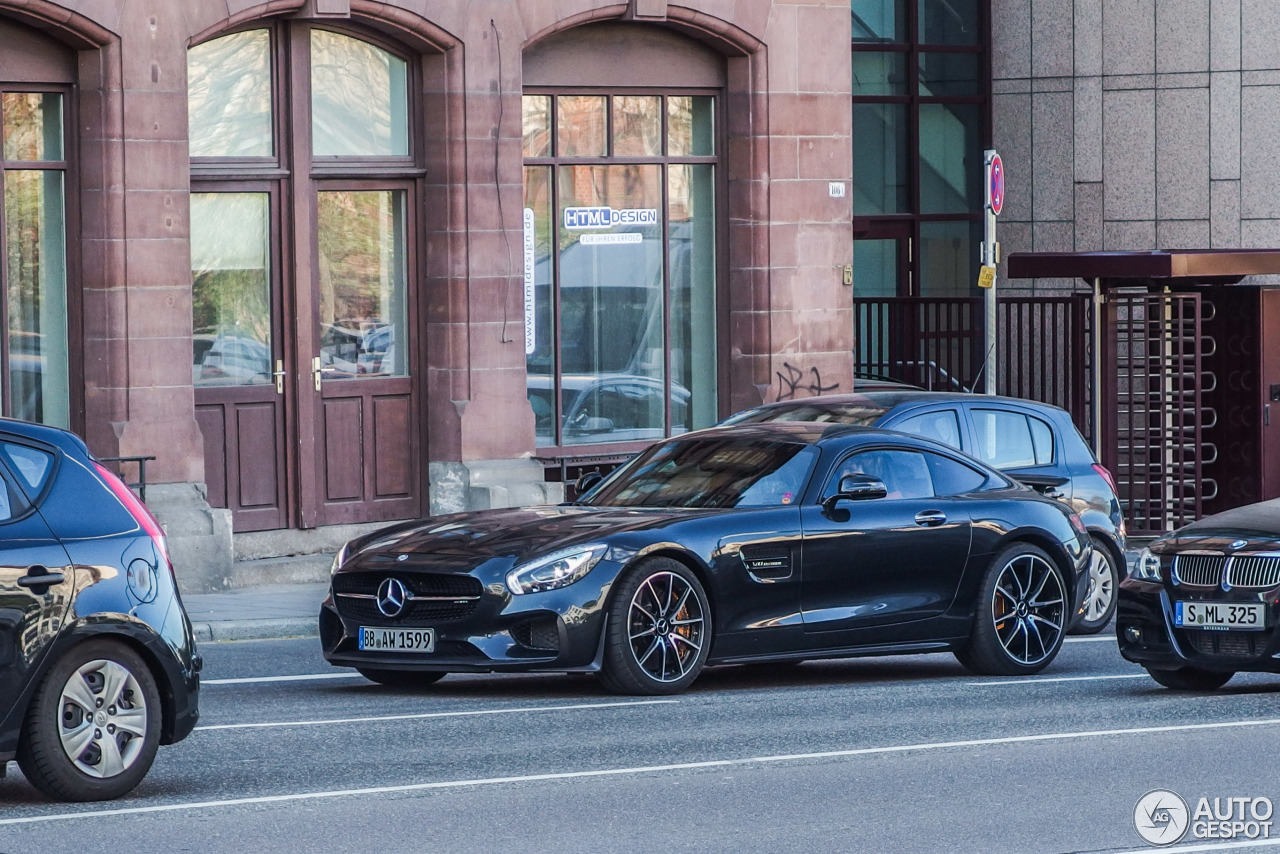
(993, 170)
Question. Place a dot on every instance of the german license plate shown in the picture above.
(397, 640)
(1220, 615)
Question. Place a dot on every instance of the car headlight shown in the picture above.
(558, 569)
(1146, 567)
(339, 559)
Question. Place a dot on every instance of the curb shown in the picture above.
(268, 629)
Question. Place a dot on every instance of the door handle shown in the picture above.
(315, 371)
(930, 518)
(279, 375)
(40, 576)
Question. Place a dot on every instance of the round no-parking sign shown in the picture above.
(995, 183)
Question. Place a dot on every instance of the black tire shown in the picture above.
(1100, 597)
(659, 608)
(402, 678)
(1021, 614)
(66, 750)
(1190, 678)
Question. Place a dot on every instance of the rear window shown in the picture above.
(1010, 440)
(941, 426)
(32, 466)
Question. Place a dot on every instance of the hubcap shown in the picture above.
(1101, 587)
(103, 719)
(665, 626)
(1029, 609)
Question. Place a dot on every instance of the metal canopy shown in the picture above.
(1120, 269)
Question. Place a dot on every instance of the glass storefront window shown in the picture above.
(950, 158)
(229, 96)
(879, 73)
(361, 239)
(620, 262)
(950, 74)
(879, 20)
(690, 126)
(536, 113)
(36, 296)
(880, 178)
(580, 126)
(637, 126)
(359, 99)
(32, 126)
(231, 289)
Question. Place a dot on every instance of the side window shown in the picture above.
(905, 473)
(941, 426)
(1042, 440)
(782, 486)
(12, 502)
(953, 478)
(1003, 439)
(31, 465)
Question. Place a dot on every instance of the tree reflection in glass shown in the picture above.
(229, 96)
(359, 99)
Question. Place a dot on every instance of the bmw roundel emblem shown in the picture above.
(1239, 544)
(392, 597)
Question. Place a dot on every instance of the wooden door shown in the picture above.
(238, 360)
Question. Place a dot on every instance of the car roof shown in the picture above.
(808, 432)
(887, 399)
(63, 439)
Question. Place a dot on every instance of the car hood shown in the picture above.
(467, 539)
(1252, 522)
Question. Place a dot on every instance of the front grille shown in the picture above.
(1198, 570)
(365, 612)
(1253, 571)
(542, 635)
(419, 584)
(1242, 644)
(436, 597)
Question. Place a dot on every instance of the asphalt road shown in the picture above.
(906, 754)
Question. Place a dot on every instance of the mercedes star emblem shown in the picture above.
(392, 597)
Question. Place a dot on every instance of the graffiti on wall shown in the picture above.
(796, 382)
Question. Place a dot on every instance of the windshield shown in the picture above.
(716, 471)
(865, 414)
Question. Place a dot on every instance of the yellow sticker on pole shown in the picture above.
(986, 276)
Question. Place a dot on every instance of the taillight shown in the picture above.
(1106, 475)
(137, 510)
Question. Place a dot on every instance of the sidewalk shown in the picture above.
(274, 611)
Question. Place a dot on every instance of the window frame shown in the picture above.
(554, 161)
(870, 226)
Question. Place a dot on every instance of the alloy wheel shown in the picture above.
(102, 720)
(1029, 607)
(665, 627)
(1101, 590)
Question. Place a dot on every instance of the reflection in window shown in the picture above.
(879, 20)
(949, 22)
(880, 184)
(32, 125)
(637, 126)
(943, 74)
(361, 237)
(537, 125)
(36, 295)
(580, 126)
(950, 158)
(877, 73)
(690, 125)
(692, 258)
(359, 99)
(949, 257)
(229, 96)
(32, 465)
(230, 289)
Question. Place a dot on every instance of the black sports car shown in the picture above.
(763, 542)
(1203, 603)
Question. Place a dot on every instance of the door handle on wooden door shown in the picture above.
(278, 373)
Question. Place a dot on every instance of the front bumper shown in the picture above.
(556, 630)
(1148, 608)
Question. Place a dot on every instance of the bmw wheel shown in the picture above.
(659, 630)
(1021, 615)
(93, 727)
(1100, 597)
(1190, 679)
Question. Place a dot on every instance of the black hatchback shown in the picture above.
(1032, 442)
(98, 663)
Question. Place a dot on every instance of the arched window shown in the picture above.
(304, 176)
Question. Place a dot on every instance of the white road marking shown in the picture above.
(425, 715)
(1059, 679)
(1209, 846)
(247, 680)
(645, 769)
(1093, 639)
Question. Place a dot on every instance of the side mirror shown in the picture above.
(587, 482)
(857, 487)
(594, 424)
